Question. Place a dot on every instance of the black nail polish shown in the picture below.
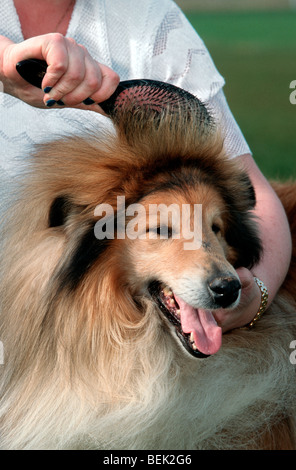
(50, 103)
(47, 89)
(88, 101)
(60, 103)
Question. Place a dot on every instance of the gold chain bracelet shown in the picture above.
(263, 305)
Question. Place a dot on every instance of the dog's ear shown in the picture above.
(59, 211)
(86, 246)
(243, 234)
(242, 231)
(245, 196)
(250, 192)
(83, 256)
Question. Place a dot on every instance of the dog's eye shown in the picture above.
(216, 229)
(161, 231)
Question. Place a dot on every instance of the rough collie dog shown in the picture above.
(110, 342)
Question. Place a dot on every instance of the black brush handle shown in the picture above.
(32, 70)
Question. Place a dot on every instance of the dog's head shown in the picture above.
(155, 214)
(166, 205)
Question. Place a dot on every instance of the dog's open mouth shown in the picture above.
(196, 328)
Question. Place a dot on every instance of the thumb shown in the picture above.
(246, 277)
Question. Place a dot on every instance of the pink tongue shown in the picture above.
(207, 334)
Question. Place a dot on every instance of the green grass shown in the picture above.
(256, 53)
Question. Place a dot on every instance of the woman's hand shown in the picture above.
(72, 77)
(248, 307)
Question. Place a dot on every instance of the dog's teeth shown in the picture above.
(167, 291)
(172, 302)
(192, 342)
(178, 313)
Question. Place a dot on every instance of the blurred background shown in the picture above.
(253, 44)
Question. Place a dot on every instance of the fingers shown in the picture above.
(109, 83)
(78, 81)
(56, 54)
(73, 77)
(246, 278)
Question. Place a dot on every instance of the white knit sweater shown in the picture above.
(138, 39)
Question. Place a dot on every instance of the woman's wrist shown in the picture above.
(263, 303)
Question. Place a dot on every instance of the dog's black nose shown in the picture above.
(224, 290)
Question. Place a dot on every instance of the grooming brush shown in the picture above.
(152, 94)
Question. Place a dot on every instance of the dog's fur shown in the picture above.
(90, 361)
